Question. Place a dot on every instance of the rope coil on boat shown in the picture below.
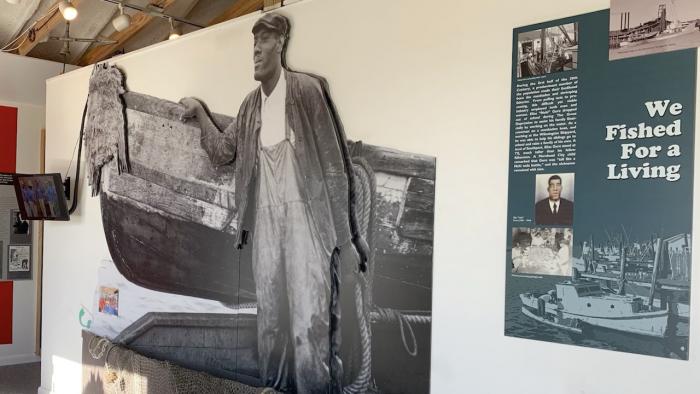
(365, 191)
(405, 321)
(364, 376)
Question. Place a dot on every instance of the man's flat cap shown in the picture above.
(274, 22)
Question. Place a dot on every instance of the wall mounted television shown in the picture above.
(41, 196)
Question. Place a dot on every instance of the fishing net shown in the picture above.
(104, 124)
(127, 372)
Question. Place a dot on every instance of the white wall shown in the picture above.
(427, 77)
(22, 85)
(23, 78)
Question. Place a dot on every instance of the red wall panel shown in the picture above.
(8, 139)
(6, 312)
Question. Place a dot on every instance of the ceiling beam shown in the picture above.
(42, 29)
(239, 8)
(272, 4)
(98, 53)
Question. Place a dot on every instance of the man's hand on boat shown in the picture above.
(192, 107)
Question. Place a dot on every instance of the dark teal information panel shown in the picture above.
(600, 191)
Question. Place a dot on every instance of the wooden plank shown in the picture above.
(420, 194)
(167, 109)
(165, 200)
(222, 196)
(239, 8)
(417, 216)
(388, 241)
(395, 161)
(270, 5)
(43, 29)
(417, 224)
(97, 53)
(174, 149)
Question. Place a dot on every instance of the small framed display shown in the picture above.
(20, 229)
(41, 196)
(19, 262)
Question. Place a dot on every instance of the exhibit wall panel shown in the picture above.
(23, 86)
(433, 81)
(30, 121)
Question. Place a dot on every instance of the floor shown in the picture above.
(20, 379)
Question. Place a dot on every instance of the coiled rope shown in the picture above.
(364, 376)
(365, 189)
(391, 315)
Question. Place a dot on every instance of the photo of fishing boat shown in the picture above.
(644, 27)
(574, 304)
(633, 296)
(170, 231)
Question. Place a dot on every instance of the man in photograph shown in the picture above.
(293, 179)
(21, 227)
(528, 64)
(28, 196)
(554, 210)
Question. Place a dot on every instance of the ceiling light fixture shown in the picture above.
(174, 33)
(122, 21)
(155, 11)
(12, 1)
(67, 10)
(66, 39)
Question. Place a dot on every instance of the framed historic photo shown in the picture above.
(19, 262)
(20, 229)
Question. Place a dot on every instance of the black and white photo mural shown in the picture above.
(267, 247)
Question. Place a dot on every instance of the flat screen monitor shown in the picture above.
(41, 196)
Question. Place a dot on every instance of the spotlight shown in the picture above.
(174, 33)
(122, 21)
(67, 10)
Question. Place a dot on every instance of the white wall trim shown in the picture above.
(19, 359)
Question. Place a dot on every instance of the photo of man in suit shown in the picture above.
(554, 210)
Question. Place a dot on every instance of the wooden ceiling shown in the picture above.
(26, 28)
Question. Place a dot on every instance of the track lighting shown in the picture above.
(155, 11)
(122, 21)
(174, 33)
(67, 10)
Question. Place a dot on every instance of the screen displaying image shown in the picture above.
(41, 197)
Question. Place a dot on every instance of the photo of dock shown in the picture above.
(645, 27)
(623, 294)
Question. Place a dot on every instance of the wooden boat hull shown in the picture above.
(170, 226)
(652, 324)
(169, 223)
(199, 261)
(530, 314)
